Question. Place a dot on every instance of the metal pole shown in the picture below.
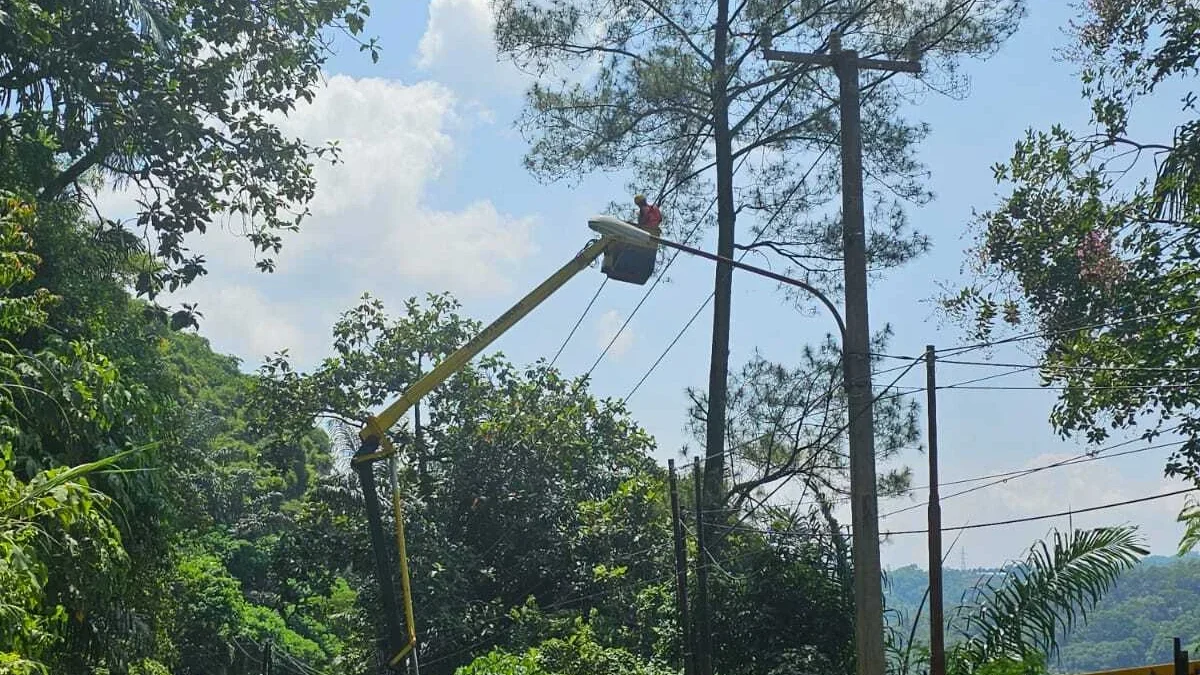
(775, 276)
(383, 567)
(868, 584)
(937, 636)
(703, 631)
(681, 598)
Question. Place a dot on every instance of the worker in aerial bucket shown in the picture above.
(649, 217)
(635, 263)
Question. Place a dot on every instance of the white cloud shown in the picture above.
(459, 48)
(236, 314)
(610, 322)
(372, 228)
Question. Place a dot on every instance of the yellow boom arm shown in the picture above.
(375, 445)
(376, 426)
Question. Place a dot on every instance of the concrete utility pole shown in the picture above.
(864, 513)
(937, 635)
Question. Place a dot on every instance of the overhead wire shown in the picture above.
(1023, 473)
(1031, 366)
(662, 192)
(712, 294)
(582, 316)
(1033, 335)
(1044, 516)
(1009, 521)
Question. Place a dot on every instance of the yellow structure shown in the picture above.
(375, 444)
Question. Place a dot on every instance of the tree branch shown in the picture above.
(72, 173)
(679, 29)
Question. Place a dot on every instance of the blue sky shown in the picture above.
(432, 196)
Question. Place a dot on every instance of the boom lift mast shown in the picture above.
(375, 445)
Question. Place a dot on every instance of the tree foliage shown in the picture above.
(1014, 619)
(178, 100)
(677, 94)
(788, 423)
(1094, 247)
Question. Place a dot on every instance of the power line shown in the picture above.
(1017, 473)
(580, 321)
(1006, 476)
(1078, 459)
(1029, 519)
(1029, 366)
(670, 346)
(1033, 335)
(1105, 387)
(999, 523)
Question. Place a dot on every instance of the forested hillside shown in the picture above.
(1149, 605)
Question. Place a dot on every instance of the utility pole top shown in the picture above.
(870, 655)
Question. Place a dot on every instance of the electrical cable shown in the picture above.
(1106, 387)
(1029, 519)
(1017, 473)
(1077, 459)
(580, 321)
(1033, 335)
(1028, 366)
(1010, 521)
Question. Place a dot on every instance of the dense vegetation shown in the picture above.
(1132, 626)
(163, 512)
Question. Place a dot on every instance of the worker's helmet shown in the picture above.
(639, 199)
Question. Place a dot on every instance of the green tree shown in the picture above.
(533, 488)
(676, 93)
(789, 424)
(1094, 248)
(178, 99)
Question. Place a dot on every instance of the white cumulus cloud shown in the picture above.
(371, 229)
(459, 48)
(607, 327)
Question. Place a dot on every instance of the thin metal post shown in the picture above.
(703, 630)
(937, 636)
(681, 597)
(383, 568)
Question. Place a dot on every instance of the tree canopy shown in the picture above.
(1094, 247)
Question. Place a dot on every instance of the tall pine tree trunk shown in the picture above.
(718, 374)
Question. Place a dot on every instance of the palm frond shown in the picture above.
(148, 19)
(1034, 603)
(1190, 517)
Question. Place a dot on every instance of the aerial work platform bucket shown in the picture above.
(631, 261)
